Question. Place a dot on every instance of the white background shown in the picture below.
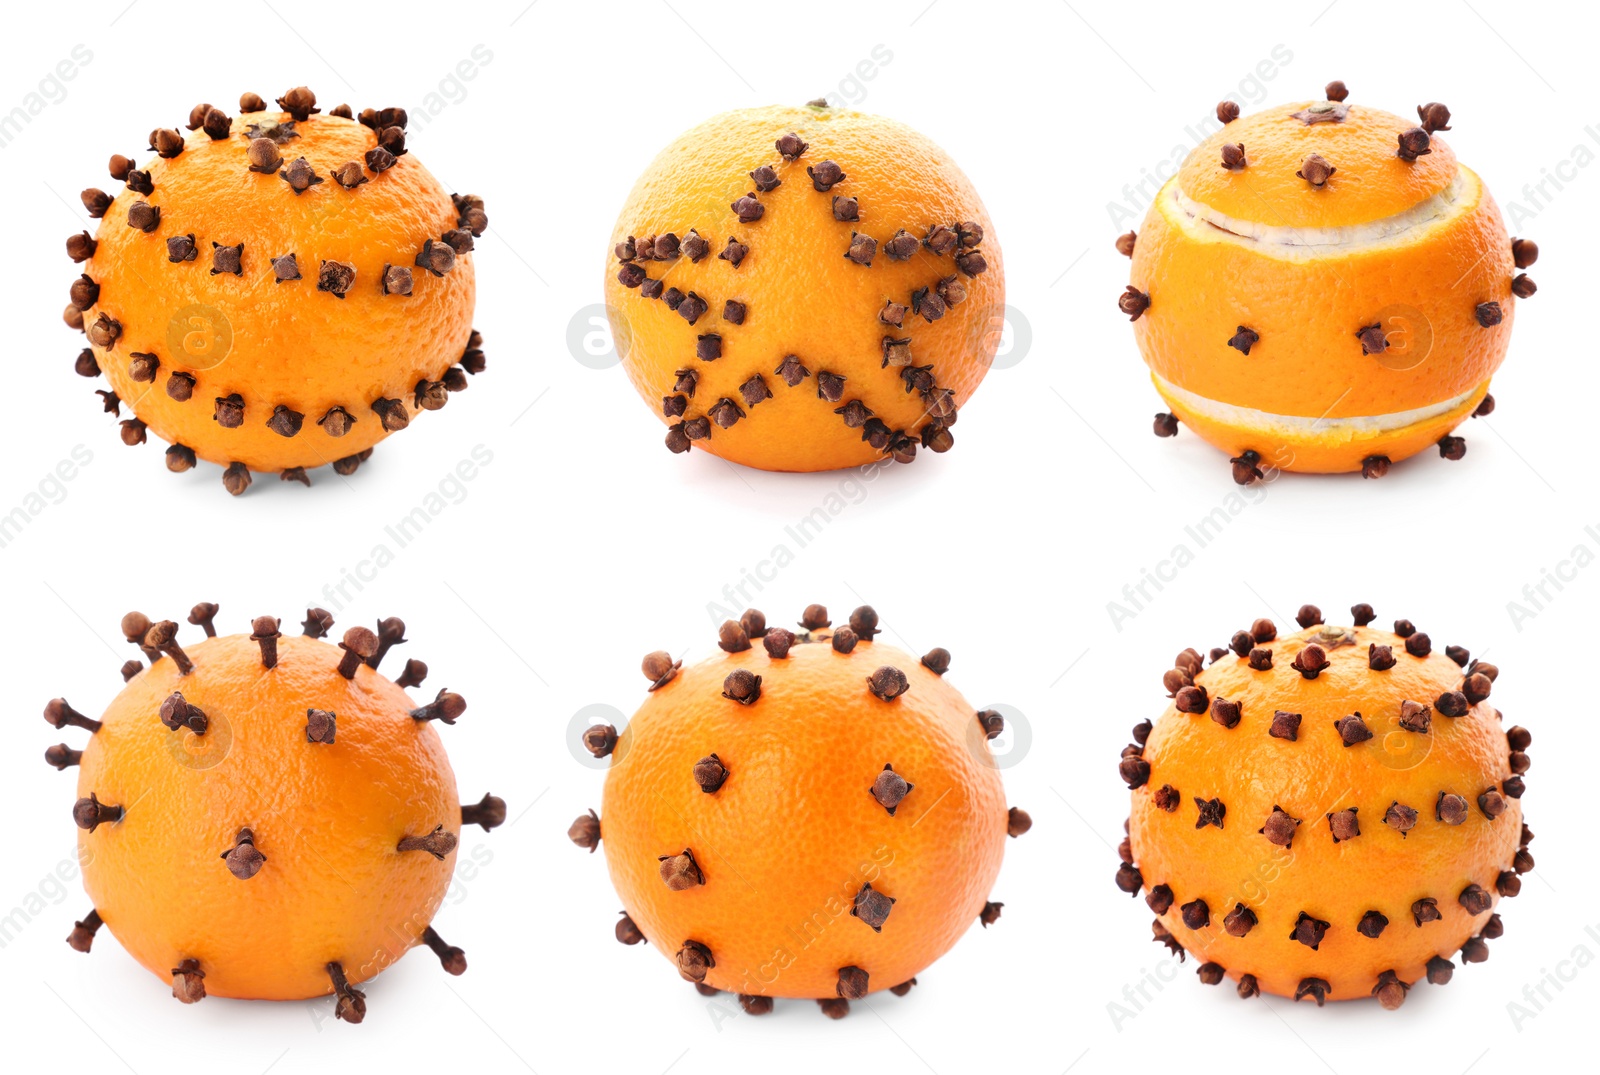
(584, 544)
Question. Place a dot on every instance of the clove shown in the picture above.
(243, 860)
(437, 843)
(488, 812)
(446, 706)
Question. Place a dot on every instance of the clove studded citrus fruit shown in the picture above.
(1323, 288)
(276, 290)
(1329, 814)
(267, 816)
(809, 814)
(805, 289)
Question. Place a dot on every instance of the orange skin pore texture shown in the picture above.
(327, 817)
(787, 842)
(1307, 303)
(1309, 778)
(290, 343)
(803, 295)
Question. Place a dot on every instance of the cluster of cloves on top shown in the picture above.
(959, 240)
(436, 256)
(1280, 829)
(244, 857)
(681, 870)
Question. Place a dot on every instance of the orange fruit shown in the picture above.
(808, 814)
(805, 289)
(277, 290)
(1329, 814)
(267, 816)
(1334, 296)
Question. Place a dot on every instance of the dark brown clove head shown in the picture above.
(889, 789)
(888, 683)
(1413, 144)
(1434, 116)
(585, 831)
(1316, 171)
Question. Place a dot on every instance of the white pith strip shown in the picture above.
(1250, 418)
(1309, 241)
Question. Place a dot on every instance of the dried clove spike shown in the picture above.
(1400, 818)
(1440, 970)
(1280, 828)
(1239, 921)
(778, 641)
(680, 872)
(937, 660)
(300, 103)
(451, 958)
(1159, 899)
(585, 831)
(284, 421)
(900, 247)
(889, 789)
(1167, 798)
(82, 936)
(1134, 770)
(742, 686)
(748, 209)
(163, 636)
(1316, 170)
(90, 813)
(1233, 158)
(236, 478)
(62, 756)
(300, 176)
(790, 146)
(862, 248)
(437, 258)
(1227, 112)
(1452, 704)
(1244, 339)
(845, 208)
(243, 860)
(321, 726)
(1226, 713)
(824, 175)
(446, 705)
(888, 683)
(176, 712)
(1475, 900)
(188, 982)
(873, 907)
(391, 413)
(1211, 812)
(264, 631)
(142, 216)
(58, 714)
(489, 812)
(990, 914)
(1336, 91)
(1380, 658)
(336, 278)
(1310, 661)
(350, 1003)
(1416, 717)
(732, 637)
(710, 774)
(358, 644)
(1413, 144)
(844, 640)
(1315, 988)
(1309, 931)
(1196, 914)
(815, 618)
(437, 843)
(691, 308)
(1372, 925)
